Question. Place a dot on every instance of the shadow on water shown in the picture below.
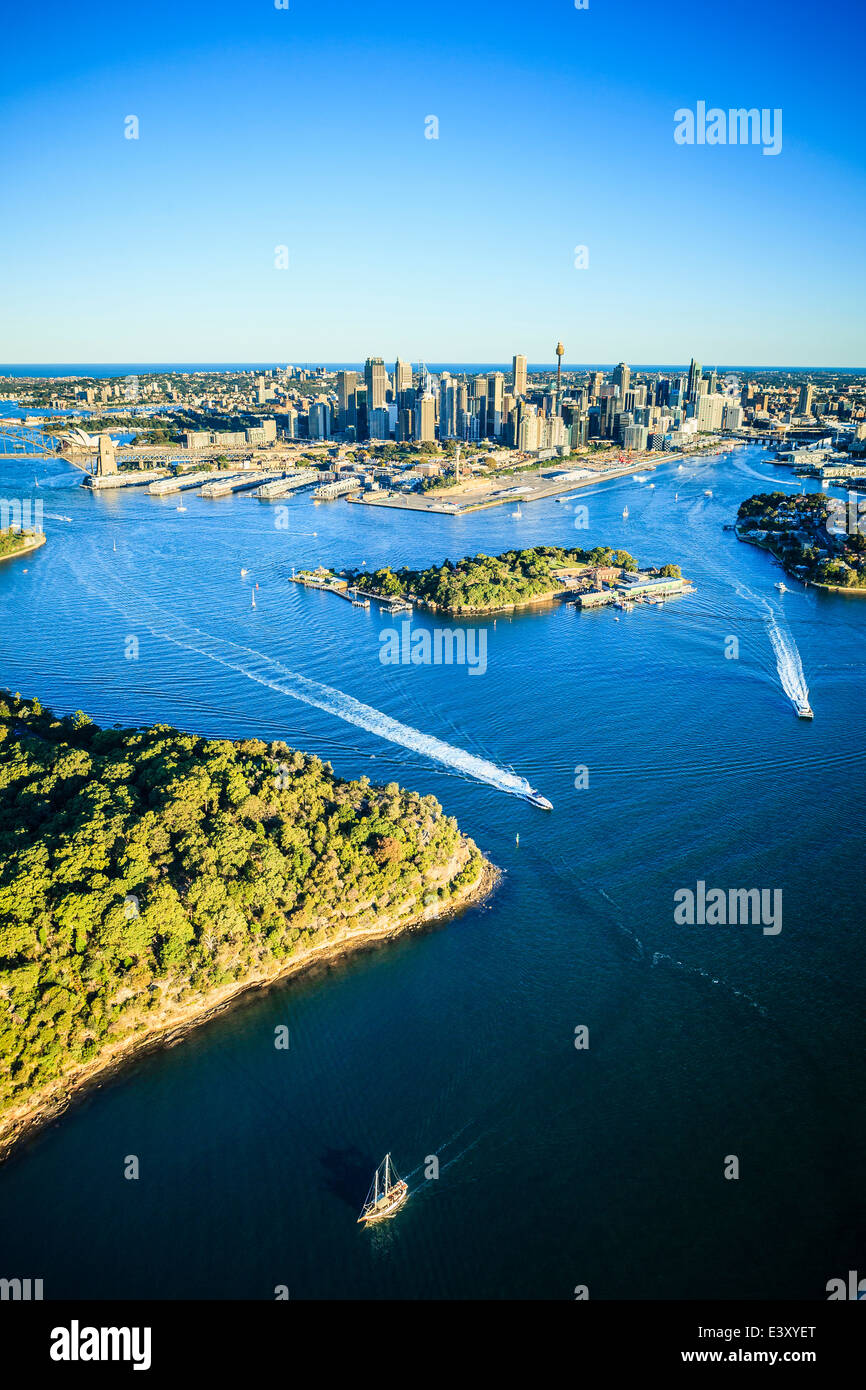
(348, 1173)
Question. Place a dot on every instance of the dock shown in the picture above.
(236, 482)
(108, 482)
(184, 482)
(281, 487)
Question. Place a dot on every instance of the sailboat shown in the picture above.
(518, 513)
(181, 508)
(114, 544)
(387, 1193)
(625, 513)
(254, 600)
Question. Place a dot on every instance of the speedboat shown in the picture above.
(783, 588)
(536, 799)
(804, 709)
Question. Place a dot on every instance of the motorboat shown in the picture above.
(536, 799)
(804, 709)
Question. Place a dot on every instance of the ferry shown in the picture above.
(536, 799)
(804, 709)
(387, 1194)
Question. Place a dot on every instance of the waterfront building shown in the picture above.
(709, 412)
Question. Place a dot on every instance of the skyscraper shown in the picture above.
(377, 382)
(621, 378)
(495, 402)
(695, 377)
(425, 419)
(346, 385)
(402, 379)
(805, 404)
(518, 375)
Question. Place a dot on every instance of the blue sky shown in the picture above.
(305, 128)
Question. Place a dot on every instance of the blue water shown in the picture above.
(558, 1167)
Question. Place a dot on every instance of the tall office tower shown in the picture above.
(595, 384)
(405, 424)
(290, 423)
(695, 378)
(518, 375)
(621, 378)
(346, 385)
(527, 430)
(449, 393)
(380, 423)
(713, 383)
(360, 412)
(402, 379)
(376, 379)
(709, 412)
(320, 420)
(495, 402)
(805, 404)
(425, 419)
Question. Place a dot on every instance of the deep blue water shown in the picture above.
(558, 1167)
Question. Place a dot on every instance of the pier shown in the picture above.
(184, 482)
(281, 487)
(236, 482)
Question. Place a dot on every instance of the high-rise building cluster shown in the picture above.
(533, 414)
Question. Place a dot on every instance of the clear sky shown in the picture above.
(305, 127)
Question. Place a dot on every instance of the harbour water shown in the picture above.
(558, 1166)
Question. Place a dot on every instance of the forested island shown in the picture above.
(147, 876)
(818, 539)
(485, 583)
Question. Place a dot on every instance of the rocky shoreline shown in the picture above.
(24, 1120)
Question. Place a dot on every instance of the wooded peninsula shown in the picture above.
(147, 876)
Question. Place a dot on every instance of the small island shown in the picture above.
(150, 876)
(15, 541)
(811, 535)
(493, 583)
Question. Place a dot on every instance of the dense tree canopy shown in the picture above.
(488, 581)
(141, 869)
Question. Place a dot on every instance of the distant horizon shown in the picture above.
(350, 364)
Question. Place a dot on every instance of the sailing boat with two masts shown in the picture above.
(387, 1193)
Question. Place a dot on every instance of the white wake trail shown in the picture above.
(255, 666)
(788, 663)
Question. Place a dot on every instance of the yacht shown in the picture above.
(387, 1193)
(536, 799)
(804, 709)
(783, 588)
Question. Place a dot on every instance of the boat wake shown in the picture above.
(264, 670)
(788, 663)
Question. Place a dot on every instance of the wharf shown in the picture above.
(237, 482)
